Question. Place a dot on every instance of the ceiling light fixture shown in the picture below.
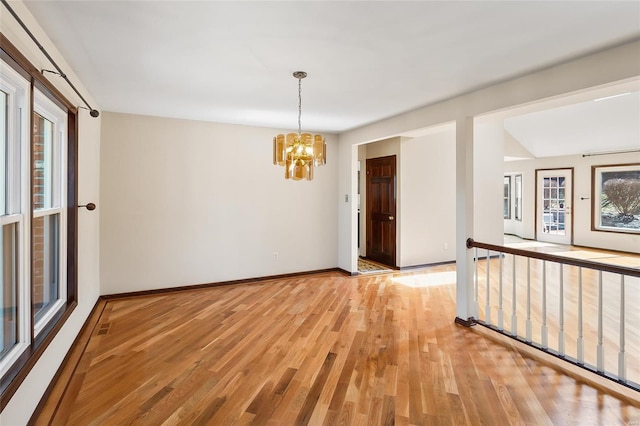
(299, 152)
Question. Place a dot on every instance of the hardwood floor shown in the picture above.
(316, 349)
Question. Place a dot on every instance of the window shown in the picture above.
(14, 333)
(37, 216)
(506, 206)
(616, 198)
(517, 202)
(48, 237)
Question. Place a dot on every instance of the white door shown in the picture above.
(554, 201)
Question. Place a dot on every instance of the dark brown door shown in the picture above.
(381, 210)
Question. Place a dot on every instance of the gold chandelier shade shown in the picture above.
(299, 152)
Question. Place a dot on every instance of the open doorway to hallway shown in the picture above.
(425, 194)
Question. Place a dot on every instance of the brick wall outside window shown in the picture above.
(38, 188)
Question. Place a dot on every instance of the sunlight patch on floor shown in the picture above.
(585, 255)
(630, 261)
(427, 279)
(529, 244)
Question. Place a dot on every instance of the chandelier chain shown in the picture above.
(299, 105)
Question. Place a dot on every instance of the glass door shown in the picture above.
(554, 200)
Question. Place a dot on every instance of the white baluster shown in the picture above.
(561, 314)
(528, 323)
(500, 313)
(622, 363)
(600, 355)
(487, 307)
(475, 299)
(514, 317)
(580, 341)
(544, 331)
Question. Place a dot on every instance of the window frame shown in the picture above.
(48, 110)
(506, 197)
(596, 196)
(517, 197)
(17, 207)
(13, 377)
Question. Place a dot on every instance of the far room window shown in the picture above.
(517, 197)
(616, 198)
(506, 206)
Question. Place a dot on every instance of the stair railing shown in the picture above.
(575, 309)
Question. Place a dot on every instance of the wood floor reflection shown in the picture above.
(317, 349)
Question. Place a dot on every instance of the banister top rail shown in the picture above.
(615, 269)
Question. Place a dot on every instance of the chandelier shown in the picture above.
(299, 152)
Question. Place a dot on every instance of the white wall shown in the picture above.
(488, 158)
(21, 406)
(428, 195)
(425, 196)
(514, 149)
(384, 148)
(582, 233)
(188, 202)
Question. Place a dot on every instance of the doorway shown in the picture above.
(554, 199)
(381, 210)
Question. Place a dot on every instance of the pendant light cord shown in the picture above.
(299, 105)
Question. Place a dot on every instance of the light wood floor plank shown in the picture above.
(319, 349)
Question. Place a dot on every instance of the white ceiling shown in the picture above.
(367, 60)
(608, 124)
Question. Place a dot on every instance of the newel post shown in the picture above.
(465, 306)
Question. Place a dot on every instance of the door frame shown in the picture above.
(571, 171)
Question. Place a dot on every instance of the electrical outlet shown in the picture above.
(446, 246)
(276, 255)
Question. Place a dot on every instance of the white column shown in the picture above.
(465, 307)
(347, 207)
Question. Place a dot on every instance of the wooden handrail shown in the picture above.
(622, 270)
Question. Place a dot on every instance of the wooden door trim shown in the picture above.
(535, 196)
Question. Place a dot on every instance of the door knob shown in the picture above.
(390, 217)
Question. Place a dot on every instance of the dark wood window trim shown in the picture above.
(535, 203)
(11, 381)
(595, 193)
